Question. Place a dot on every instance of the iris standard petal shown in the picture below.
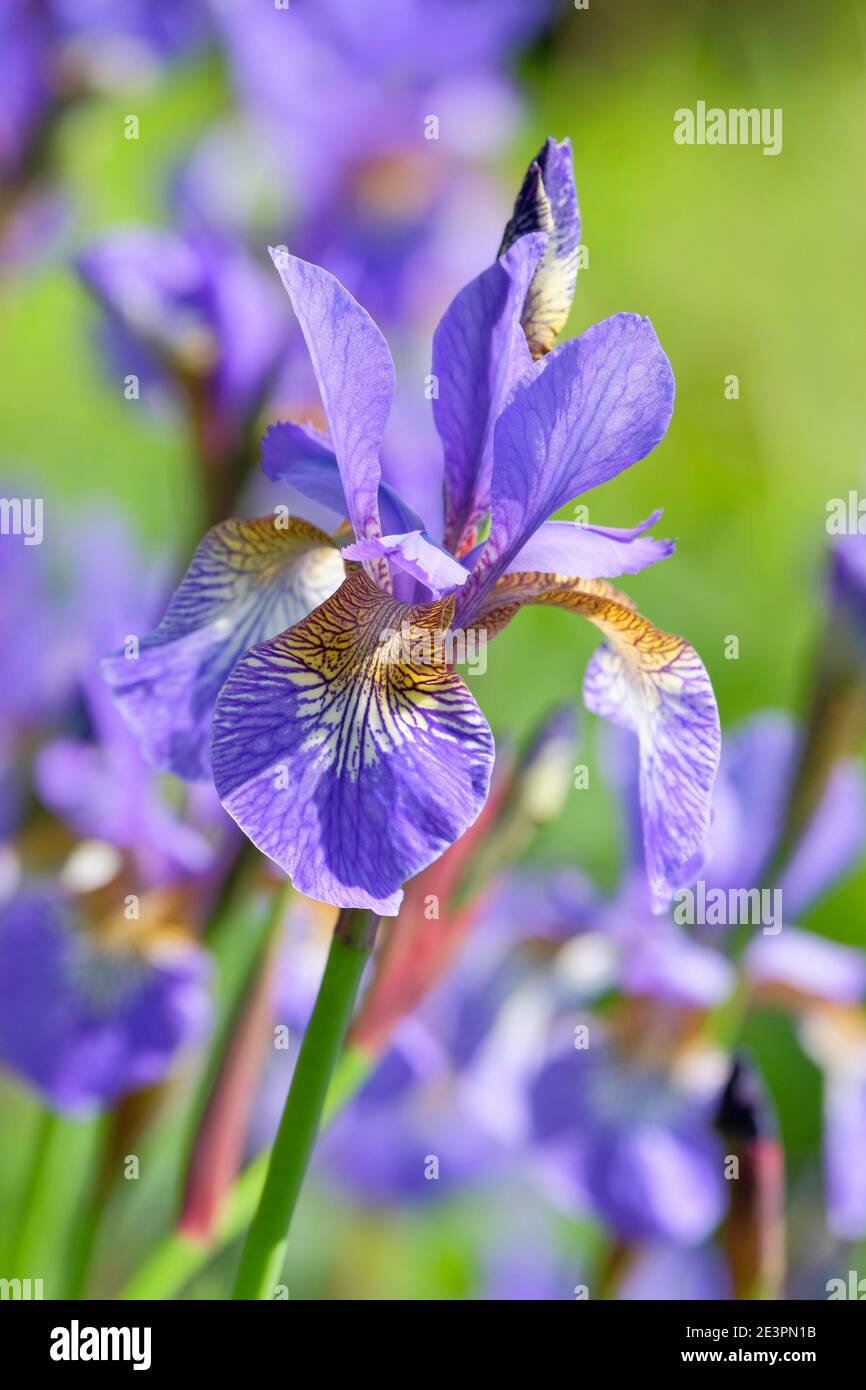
(248, 580)
(355, 374)
(302, 456)
(417, 555)
(479, 352)
(547, 202)
(597, 405)
(655, 685)
(348, 752)
(593, 552)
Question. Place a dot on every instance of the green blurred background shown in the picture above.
(746, 264)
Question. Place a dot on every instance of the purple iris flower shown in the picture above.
(676, 1273)
(410, 1135)
(347, 747)
(37, 652)
(91, 1012)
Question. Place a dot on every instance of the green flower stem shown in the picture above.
(265, 1248)
(178, 1257)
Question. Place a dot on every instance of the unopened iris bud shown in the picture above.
(547, 202)
(753, 1230)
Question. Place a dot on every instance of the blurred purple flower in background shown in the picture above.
(374, 130)
(53, 53)
(90, 1013)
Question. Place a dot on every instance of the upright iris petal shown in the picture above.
(248, 580)
(479, 352)
(348, 751)
(599, 403)
(547, 202)
(355, 374)
(301, 456)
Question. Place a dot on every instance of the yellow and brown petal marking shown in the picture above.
(348, 751)
(653, 684)
(247, 581)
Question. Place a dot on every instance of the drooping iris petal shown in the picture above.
(348, 752)
(479, 352)
(301, 456)
(597, 405)
(355, 374)
(417, 555)
(593, 552)
(655, 685)
(547, 202)
(248, 580)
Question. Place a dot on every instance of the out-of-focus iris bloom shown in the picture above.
(675, 1273)
(624, 1127)
(199, 310)
(836, 717)
(96, 779)
(65, 601)
(347, 748)
(52, 50)
(604, 1114)
(93, 1007)
(620, 1136)
(38, 672)
(410, 102)
(416, 1131)
(54, 53)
